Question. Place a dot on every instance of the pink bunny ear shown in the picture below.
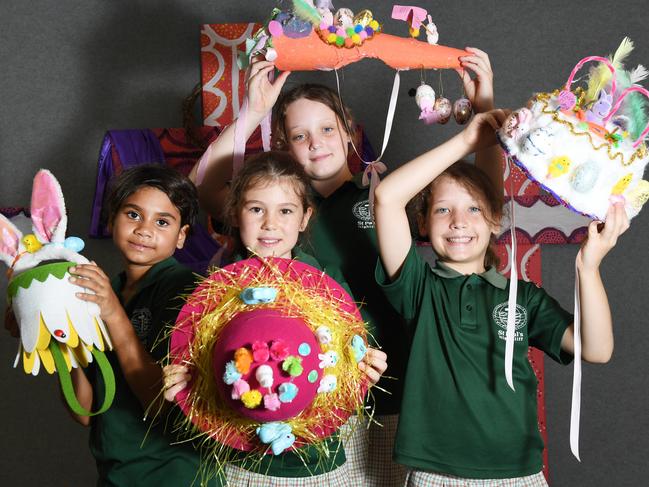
(9, 241)
(48, 208)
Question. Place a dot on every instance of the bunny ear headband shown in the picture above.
(586, 146)
(274, 346)
(57, 330)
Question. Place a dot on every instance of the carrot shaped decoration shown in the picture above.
(311, 53)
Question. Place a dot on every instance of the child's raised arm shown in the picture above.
(394, 192)
(596, 321)
(480, 91)
(142, 373)
(212, 172)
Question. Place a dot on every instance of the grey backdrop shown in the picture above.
(70, 70)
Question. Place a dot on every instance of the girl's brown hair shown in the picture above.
(478, 184)
(313, 92)
(264, 169)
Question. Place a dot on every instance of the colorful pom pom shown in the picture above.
(292, 365)
(374, 25)
(260, 352)
(243, 359)
(272, 402)
(251, 399)
(279, 350)
(231, 374)
(287, 391)
(239, 388)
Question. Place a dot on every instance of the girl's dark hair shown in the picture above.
(478, 184)
(180, 190)
(314, 92)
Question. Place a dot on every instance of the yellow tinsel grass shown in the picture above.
(210, 418)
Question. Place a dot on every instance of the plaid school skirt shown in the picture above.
(238, 477)
(418, 478)
(369, 453)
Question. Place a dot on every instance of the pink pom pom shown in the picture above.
(260, 351)
(363, 35)
(341, 32)
(238, 388)
(272, 402)
(279, 350)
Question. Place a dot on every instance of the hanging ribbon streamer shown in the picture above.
(375, 167)
(513, 289)
(575, 409)
(239, 149)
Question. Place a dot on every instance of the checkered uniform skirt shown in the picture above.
(238, 477)
(430, 479)
(369, 452)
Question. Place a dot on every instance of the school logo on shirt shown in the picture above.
(361, 211)
(141, 320)
(500, 318)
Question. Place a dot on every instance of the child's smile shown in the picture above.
(146, 229)
(271, 218)
(457, 227)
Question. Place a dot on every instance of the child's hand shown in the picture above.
(602, 237)
(481, 131)
(374, 364)
(90, 276)
(176, 378)
(479, 90)
(11, 325)
(262, 93)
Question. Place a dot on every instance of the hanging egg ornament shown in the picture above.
(462, 110)
(344, 18)
(364, 17)
(443, 109)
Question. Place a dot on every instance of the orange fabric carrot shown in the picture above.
(311, 53)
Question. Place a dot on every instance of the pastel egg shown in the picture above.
(584, 177)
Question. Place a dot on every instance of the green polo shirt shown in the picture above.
(459, 416)
(309, 461)
(127, 452)
(342, 235)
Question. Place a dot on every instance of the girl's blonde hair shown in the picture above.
(478, 184)
(264, 169)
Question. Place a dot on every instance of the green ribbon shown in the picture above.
(66, 380)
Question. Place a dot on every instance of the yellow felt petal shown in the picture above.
(44, 335)
(101, 345)
(47, 360)
(80, 356)
(73, 339)
(28, 361)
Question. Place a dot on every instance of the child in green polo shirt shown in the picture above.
(460, 421)
(269, 204)
(311, 124)
(151, 209)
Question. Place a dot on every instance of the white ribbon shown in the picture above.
(513, 289)
(375, 167)
(575, 409)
